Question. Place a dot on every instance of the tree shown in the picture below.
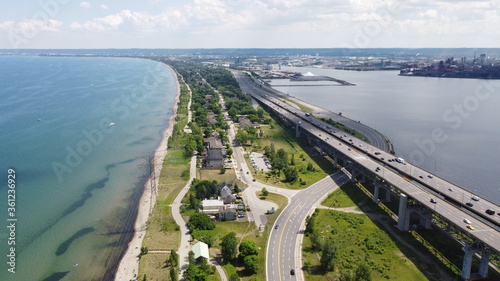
(346, 275)
(265, 192)
(291, 174)
(222, 171)
(229, 152)
(200, 221)
(310, 224)
(248, 248)
(194, 203)
(241, 137)
(204, 266)
(173, 274)
(251, 263)
(329, 255)
(173, 260)
(363, 273)
(206, 236)
(234, 277)
(190, 258)
(228, 246)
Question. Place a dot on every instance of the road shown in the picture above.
(284, 247)
(374, 137)
(408, 178)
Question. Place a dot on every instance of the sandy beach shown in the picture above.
(129, 264)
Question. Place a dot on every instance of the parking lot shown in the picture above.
(259, 162)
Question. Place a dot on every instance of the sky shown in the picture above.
(61, 24)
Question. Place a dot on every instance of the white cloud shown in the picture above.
(128, 20)
(31, 26)
(85, 5)
(429, 14)
(104, 7)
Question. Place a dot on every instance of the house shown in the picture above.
(200, 249)
(214, 160)
(211, 206)
(229, 212)
(226, 194)
(213, 143)
(244, 122)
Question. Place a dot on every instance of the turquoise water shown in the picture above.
(78, 175)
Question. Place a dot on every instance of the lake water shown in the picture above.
(77, 132)
(448, 126)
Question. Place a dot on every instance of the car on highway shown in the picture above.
(467, 221)
(475, 198)
(490, 212)
(433, 200)
(276, 226)
(430, 176)
(450, 189)
(470, 227)
(292, 271)
(421, 177)
(469, 204)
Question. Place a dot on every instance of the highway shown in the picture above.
(416, 183)
(442, 188)
(283, 251)
(375, 138)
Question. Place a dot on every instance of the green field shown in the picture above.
(303, 155)
(359, 240)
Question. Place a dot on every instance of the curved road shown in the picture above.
(284, 247)
(375, 137)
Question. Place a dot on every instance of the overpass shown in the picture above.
(435, 200)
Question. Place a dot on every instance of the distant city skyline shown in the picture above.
(249, 24)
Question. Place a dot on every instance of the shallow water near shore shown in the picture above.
(77, 132)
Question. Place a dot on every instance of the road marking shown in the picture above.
(281, 238)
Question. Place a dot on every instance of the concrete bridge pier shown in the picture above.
(403, 214)
(335, 161)
(388, 195)
(483, 265)
(297, 133)
(466, 266)
(425, 222)
(376, 192)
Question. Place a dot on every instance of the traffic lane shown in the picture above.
(276, 257)
(424, 198)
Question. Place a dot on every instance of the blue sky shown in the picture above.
(249, 24)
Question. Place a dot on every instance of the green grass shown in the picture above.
(162, 231)
(283, 139)
(252, 234)
(359, 240)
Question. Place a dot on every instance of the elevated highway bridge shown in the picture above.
(434, 199)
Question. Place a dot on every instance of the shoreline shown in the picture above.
(129, 263)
